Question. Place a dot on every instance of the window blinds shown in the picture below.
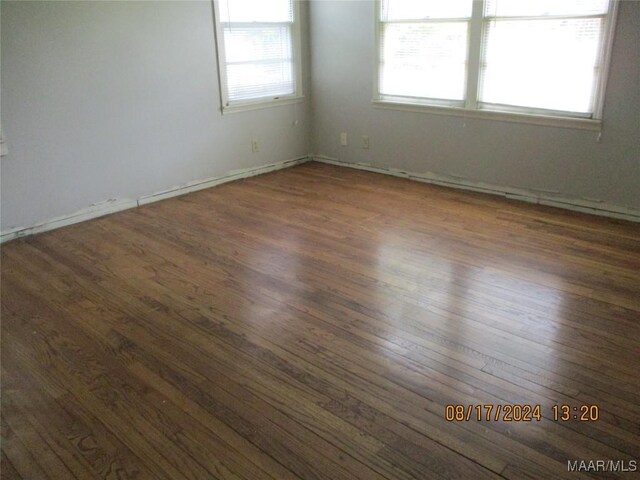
(527, 56)
(423, 50)
(542, 55)
(258, 49)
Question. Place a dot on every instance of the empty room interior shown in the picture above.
(320, 239)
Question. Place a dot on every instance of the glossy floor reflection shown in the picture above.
(315, 323)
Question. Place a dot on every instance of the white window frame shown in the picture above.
(240, 106)
(471, 106)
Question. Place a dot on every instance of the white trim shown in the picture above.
(607, 47)
(428, 20)
(229, 177)
(475, 54)
(116, 205)
(93, 211)
(421, 101)
(277, 102)
(220, 55)
(296, 46)
(499, 116)
(377, 5)
(593, 207)
(511, 18)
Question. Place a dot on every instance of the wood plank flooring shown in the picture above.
(314, 323)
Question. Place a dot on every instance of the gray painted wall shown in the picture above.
(105, 100)
(566, 162)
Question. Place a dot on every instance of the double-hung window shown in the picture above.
(258, 52)
(423, 50)
(533, 57)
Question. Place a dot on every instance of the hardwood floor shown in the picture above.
(314, 323)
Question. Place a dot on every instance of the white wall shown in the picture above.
(104, 100)
(554, 161)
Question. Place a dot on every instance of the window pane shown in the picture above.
(547, 64)
(256, 10)
(539, 8)
(247, 44)
(258, 49)
(424, 60)
(247, 81)
(424, 9)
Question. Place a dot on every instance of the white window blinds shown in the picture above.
(543, 55)
(258, 53)
(423, 50)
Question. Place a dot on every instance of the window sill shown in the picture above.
(545, 120)
(244, 107)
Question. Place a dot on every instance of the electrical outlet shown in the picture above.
(343, 139)
(365, 142)
(3, 144)
(254, 146)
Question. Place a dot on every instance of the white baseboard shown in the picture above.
(578, 205)
(115, 205)
(229, 177)
(97, 210)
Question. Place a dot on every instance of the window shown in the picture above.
(533, 57)
(423, 49)
(258, 52)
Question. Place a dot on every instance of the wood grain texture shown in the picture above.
(313, 324)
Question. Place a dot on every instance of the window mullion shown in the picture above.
(473, 54)
(605, 59)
